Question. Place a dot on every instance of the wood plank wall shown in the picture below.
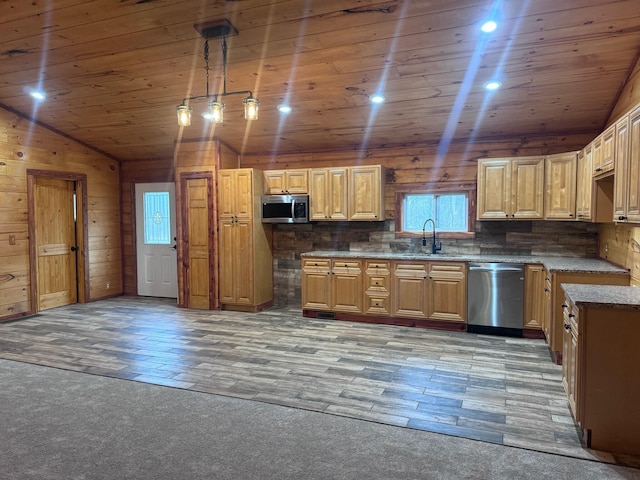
(26, 145)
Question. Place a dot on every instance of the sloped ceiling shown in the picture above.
(114, 71)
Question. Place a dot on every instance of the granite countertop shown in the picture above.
(603, 296)
(552, 264)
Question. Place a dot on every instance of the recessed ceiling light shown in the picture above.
(284, 108)
(492, 85)
(377, 98)
(489, 26)
(37, 94)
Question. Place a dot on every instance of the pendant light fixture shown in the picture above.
(215, 112)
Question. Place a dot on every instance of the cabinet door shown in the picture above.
(585, 184)
(346, 278)
(527, 186)
(534, 300)
(337, 196)
(366, 193)
(243, 193)
(274, 182)
(567, 357)
(226, 242)
(410, 290)
(447, 292)
(243, 275)
(621, 181)
(608, 149)
(597, 156)
(226, 193)
(316, 276)
(296, 181)
(633, 168)
(560, 198)
(548, 307)
(319, 194)
(494, 189)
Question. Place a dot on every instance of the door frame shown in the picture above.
(183, 239)
(82, 234)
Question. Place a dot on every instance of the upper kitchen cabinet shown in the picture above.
(349, 193)
(328, 198)
(286, 182)
(366, 193)
(560, 186)
(511, 188)
(604, 151)
(627, 173)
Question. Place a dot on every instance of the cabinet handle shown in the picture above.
(580, 215)
(507, 215)
(567, 326)
(598, 169)
(622, 217)
(571, 214)
(377, 283)
(564, 305)
(571, 315)
(546, 289)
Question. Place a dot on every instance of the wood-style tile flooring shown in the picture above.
(494, 389)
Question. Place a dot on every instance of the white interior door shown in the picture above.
(156, 240)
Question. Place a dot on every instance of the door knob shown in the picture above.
(74, 248)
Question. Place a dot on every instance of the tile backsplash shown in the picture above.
(575, 239)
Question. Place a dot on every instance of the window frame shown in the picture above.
(438, 189)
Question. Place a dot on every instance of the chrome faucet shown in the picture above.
(434, 247)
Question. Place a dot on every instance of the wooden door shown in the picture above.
(527, 188)
(365, 193)
(560, 195)
(410, 290)
(56, 246)
(494, 189)
(621, 179)
(156, 256)
(633, 170)
(198, 243)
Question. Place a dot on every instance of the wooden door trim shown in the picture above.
(82, 239)
(183, 241)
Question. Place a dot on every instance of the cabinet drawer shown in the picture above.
(346, 266)
(416, 270)
(456, 269)
(316, 263)
(379, 283)
(377, 304)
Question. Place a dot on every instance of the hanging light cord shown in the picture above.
(224, 76)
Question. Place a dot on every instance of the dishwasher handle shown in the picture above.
(499, 268)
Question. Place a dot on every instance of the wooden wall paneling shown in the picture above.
(27, 146)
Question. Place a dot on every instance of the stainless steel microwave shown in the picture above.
(285, 208)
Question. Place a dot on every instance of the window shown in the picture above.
(450, 210)
(157, 225)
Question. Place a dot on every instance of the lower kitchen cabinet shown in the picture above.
(377, 284)
(600, 369)
(412, 290)
(555, 331)
(534, 298)
(332, 284)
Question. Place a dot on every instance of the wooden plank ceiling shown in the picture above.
(114, 71)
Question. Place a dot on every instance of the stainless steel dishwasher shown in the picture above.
(495, 298)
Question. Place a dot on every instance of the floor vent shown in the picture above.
(326, 315)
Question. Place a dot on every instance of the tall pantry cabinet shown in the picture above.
(246, 261)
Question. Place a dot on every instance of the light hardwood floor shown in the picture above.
(494, 389)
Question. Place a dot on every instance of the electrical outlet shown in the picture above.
(12, 239)
(108, 285)
(606, 247)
